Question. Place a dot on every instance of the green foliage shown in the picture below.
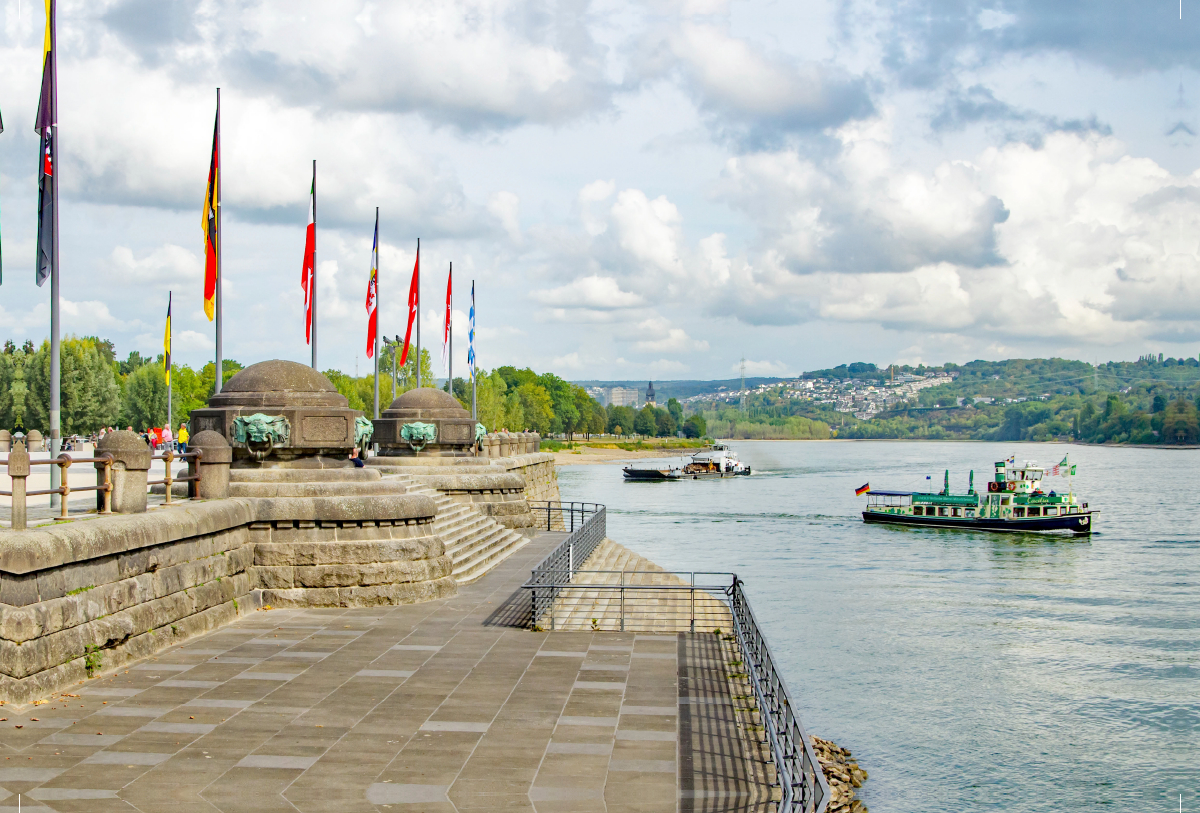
(695, 427)
(92, 660)
(145, 400)
(536, 406)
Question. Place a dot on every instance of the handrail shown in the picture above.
(799, 773)
(18, 470)
(570, 554)
(797, 769)
(169, 456)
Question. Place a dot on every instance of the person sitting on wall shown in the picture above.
(355, 459)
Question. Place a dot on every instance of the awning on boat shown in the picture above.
(877, 493)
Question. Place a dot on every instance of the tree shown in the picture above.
(695, 427)
(536, 407)
(599, 419)
(621, 419)
(1159, 404)
(145, 402)
(664, 424)
(646, 422)
(89, 396)
(676, 410)
(1180, 424)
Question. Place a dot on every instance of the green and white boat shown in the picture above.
(1016, 500)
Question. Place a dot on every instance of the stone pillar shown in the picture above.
(5, 440)
(216, 455)
(18, 470)
(489, 446)
(34, 441)
(130, 470)
(506, 444)
(537, 442)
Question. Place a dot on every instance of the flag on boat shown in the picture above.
(47, 118)
(471, 334)
(414, 304)
(1012, 458)
(373, 292)
(1072, 472)
(861, 490)
(208, 221)
(308, 275)
(446, 326)
(167, 341)
(1062, 469)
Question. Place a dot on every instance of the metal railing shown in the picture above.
(796, 767)
(570, 554)
(569, 515)
(565, 597)
(18, 465)
(169, 456)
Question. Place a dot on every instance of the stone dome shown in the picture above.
(278, 383)
(426, 402)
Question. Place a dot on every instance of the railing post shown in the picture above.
(571, 563)
(692, 626)
(106, 493)
(168, 457)
(622, 601)
(64, 463)
(18, 470)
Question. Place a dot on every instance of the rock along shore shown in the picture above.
(843, 775)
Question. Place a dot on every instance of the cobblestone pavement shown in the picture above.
(445, 706)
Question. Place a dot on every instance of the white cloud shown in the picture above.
(761, 368)
(592, 293)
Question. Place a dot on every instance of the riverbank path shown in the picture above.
(447, 706)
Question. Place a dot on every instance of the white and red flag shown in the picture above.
(414, 305)
(446, 324)
(308, 276)
(373, 293)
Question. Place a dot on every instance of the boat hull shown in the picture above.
(1083, 523)
(651, 475)
(712, 475)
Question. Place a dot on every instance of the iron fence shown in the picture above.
(568, 516)
(567, 598)
(571, 553)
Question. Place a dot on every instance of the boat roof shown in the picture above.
(881, 493)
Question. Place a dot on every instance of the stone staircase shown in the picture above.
(476, 543)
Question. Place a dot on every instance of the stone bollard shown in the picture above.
(537, 442)
(506, 444)
(34, 442)
(491, 442)
(5, 440)
(524, 436)
(130, 471)
(216, 455)
(18, 470)
(483, 447)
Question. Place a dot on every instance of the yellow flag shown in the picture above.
(167, 341)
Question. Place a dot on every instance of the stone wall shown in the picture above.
(86, 597)
(541, 477)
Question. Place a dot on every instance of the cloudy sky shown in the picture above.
(639, 190)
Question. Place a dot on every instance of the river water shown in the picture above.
(966, 671)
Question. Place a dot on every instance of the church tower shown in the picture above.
(650, 393)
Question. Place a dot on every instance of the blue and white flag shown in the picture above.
(471, 334)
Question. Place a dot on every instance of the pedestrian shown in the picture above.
(183, 438)
(167, 439)
(355, 459)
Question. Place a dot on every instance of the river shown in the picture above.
(966, 671)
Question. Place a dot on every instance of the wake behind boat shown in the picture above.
(718, 460)
(1015, 501)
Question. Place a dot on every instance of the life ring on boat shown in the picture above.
(1083, 520)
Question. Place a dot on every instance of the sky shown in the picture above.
(647, 190)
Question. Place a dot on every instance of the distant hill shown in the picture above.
(683, 389)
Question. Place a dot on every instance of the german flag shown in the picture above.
(861, 490)
(44, 126)
(167, 341)
(210, 220)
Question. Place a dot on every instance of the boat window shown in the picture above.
(918, 511)
(1034, 511)
(970, 513)
(958, 512)
(942, 512)
(1018, 511)
(1005, 500)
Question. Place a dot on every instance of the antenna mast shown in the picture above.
(743, 386)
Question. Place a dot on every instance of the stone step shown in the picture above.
(474, 541)
(469, 571)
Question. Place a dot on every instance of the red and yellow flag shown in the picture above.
(209, 221)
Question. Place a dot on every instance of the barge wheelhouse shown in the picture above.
(1014, 501)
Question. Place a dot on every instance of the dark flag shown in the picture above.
(209, 221)
(1, 241)
(47, 118)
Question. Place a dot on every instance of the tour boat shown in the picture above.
(1016, 500)
(718, 460)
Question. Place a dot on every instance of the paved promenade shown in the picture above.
(445, 706)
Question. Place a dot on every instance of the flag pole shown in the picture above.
(418, 313)
(474, 365)
(220, 359)
(170, 342)
(450, 333)
(375, 352)
(55, 368)
(313, 280)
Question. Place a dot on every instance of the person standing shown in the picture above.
(183, 438)
(167, 438)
